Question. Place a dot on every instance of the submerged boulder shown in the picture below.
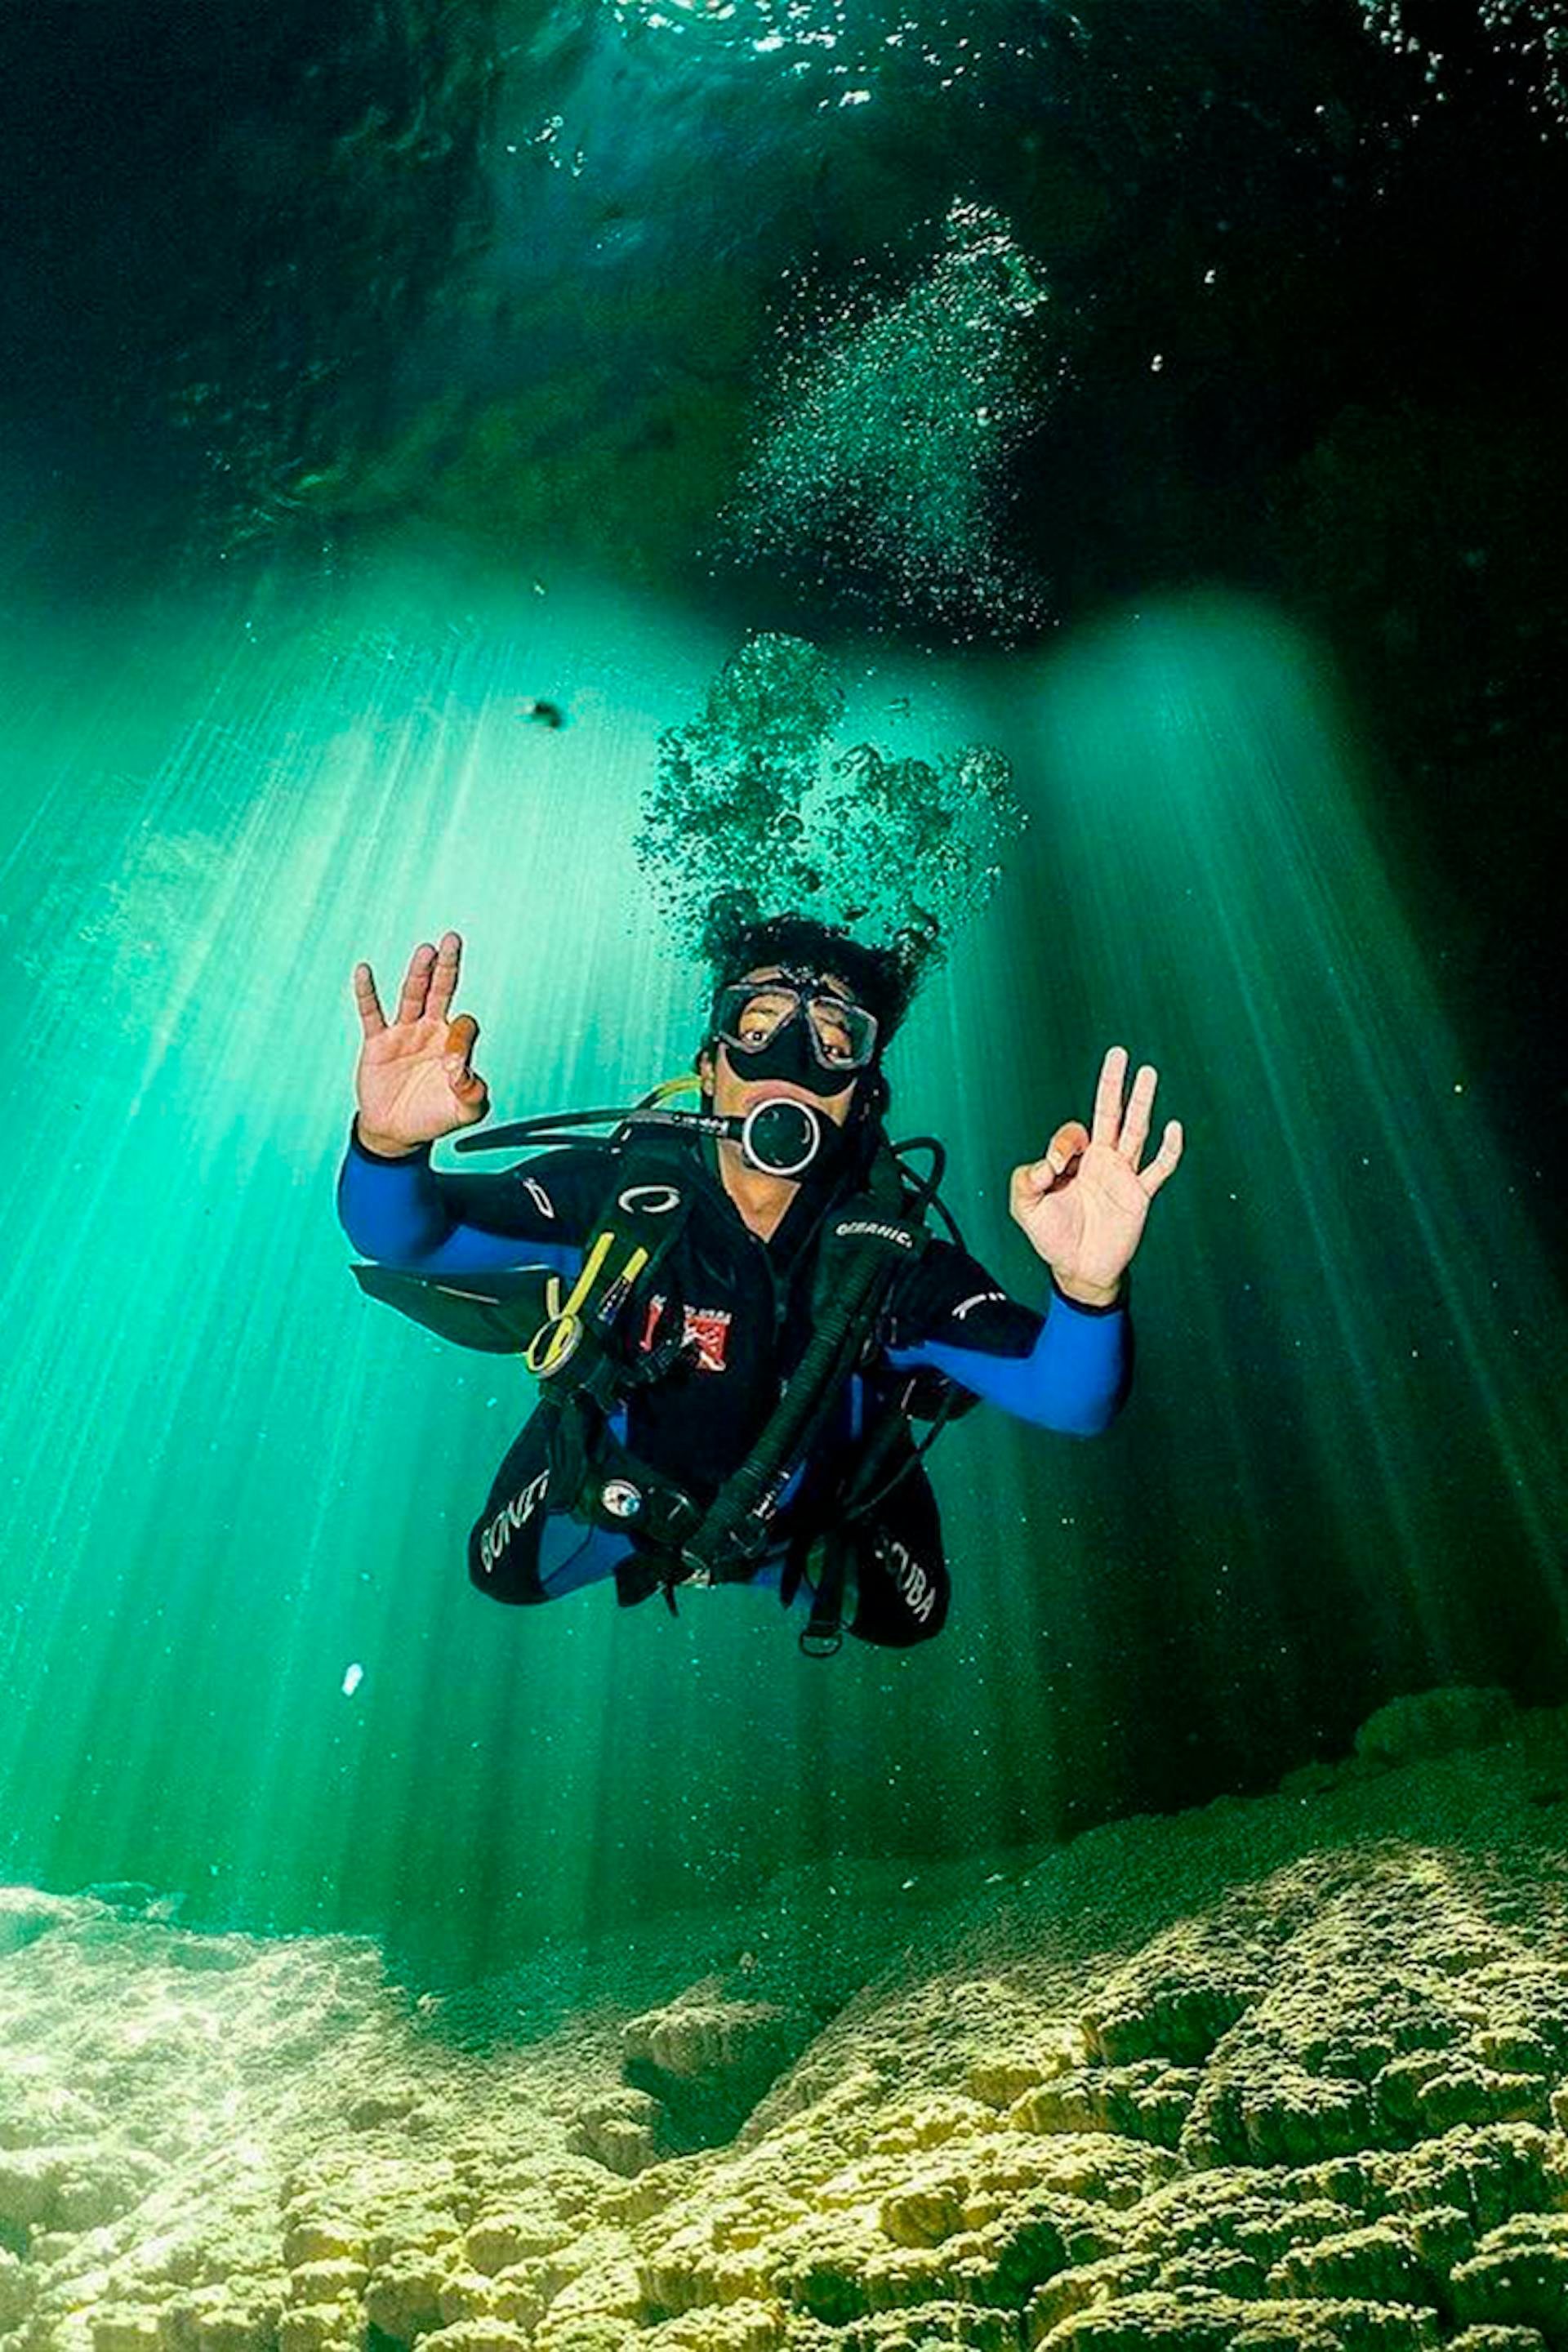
(709, 2057)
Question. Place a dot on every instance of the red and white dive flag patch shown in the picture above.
(708, 1327)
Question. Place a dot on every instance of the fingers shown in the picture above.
(1066, 1145)
(415, 984)
(466, 1085)
(1024, 1189)
(444, 978)
(1165, 1160)
(372, 1020)
(1126, 1131)
(428, 984)
(1108, 1098)
(1038, 1177)
(460, 1036)
(1140, 1109)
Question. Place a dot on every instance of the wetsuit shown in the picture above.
(744, 1308)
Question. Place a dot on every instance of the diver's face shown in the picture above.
(734, 1092)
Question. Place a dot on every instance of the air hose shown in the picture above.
(737, 1524)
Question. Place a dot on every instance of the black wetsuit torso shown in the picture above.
(745, 1309)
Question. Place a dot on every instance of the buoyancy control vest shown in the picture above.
(578, 1342)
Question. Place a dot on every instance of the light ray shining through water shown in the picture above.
(228, 1476)
(1367, 1412)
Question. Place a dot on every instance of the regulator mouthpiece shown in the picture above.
(782, 1137)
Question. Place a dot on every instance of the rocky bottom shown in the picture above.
(1288, 2074)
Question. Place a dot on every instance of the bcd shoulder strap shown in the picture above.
(865, 1241)
(642, 1218)
(585, 1365)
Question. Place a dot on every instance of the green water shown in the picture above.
(1147, 406)
(242, 1661)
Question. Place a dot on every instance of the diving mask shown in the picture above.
(795, 1026)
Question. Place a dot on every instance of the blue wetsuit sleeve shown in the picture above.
(401, 1213)
(1074, 1379)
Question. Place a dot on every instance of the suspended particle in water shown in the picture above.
(352, 1680)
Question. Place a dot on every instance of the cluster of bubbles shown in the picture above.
(754, 797)
(883, 456)
(849, 47)
(1532, 31)
(762, 25)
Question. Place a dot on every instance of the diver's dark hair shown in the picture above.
(738, 939)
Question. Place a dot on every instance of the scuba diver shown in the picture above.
(738, 1315)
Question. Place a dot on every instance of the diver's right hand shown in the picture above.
(414, 1083)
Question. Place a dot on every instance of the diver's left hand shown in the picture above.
(1084, 1204)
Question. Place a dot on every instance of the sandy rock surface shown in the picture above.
(1289, 2075)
